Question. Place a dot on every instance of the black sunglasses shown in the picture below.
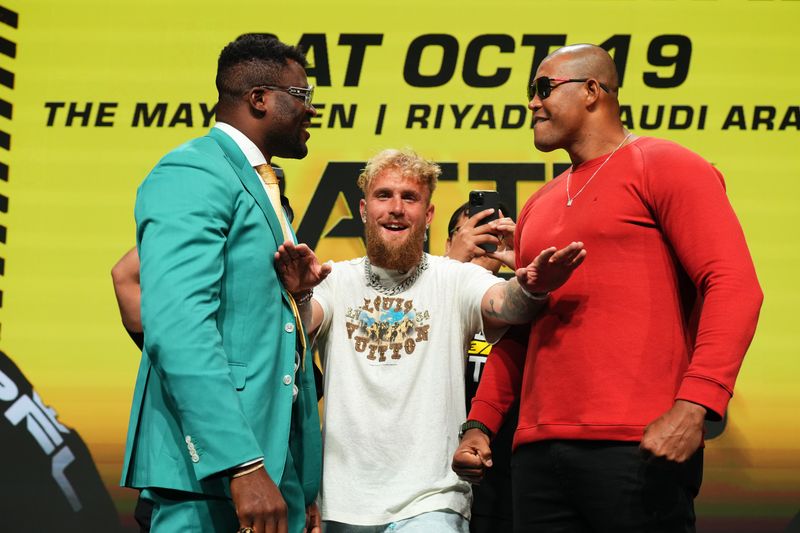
(543, 86)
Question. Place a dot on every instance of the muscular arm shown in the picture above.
(499, 388)
(687, 197)
(183, 212)
(689, 202)
(507, 303)
(125, 275)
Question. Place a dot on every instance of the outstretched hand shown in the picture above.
(551, 268)
(299, 268)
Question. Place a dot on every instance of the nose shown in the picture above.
(396, 206)
(311, 111)
(535, 104)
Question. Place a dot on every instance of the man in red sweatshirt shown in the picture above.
(617, 375)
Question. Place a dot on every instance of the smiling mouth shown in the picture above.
(537, 120)
(394, 227)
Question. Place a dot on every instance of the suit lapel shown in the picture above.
(250, 180)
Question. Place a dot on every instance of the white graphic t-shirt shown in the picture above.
(393, 369)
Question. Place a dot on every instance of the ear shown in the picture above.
(257, 99)
(593, 91)
(362, 207)
(429, 215)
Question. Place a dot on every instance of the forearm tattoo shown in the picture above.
(513, 307)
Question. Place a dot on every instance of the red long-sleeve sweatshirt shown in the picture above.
(663, 308)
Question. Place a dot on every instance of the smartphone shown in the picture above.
(480, 201)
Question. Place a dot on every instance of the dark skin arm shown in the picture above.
(676, 434)
(258, 502)
(313, 519)
(473, 456)
(125, 275)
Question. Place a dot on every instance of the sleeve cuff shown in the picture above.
(248, 463)
(486, 415)
(706, 392)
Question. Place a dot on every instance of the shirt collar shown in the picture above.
(248, 147)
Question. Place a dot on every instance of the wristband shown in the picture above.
(473, 424)
(538, 296)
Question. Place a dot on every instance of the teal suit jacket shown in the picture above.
(214, 388)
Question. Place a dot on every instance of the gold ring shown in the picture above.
(246, 530)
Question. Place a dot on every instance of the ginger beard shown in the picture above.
(400, 254)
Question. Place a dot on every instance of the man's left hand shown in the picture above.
(313, 519)
(551, 268)
(299, 268)
(676, 434)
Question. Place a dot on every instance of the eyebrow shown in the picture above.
(402, 192)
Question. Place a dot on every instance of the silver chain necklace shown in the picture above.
(374, 280)
(571, 199)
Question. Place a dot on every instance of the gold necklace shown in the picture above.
(571, 199)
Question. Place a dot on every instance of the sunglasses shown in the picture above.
(543, 86)
(304, 94)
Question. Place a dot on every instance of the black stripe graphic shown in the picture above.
(8, 48)
(8, 17)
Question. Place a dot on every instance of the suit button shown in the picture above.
(289, 327)
(287, 379)
(195, 458)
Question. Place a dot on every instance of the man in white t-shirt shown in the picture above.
(392, 329)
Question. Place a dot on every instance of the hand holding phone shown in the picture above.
(480, 201)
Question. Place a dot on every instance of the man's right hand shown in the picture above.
(259, 503)
(473, 456)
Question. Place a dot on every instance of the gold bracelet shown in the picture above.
(248, 470)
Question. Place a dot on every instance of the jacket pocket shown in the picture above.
(238, 374)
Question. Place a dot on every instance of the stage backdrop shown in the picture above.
(93, 93)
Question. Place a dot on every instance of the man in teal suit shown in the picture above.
(224, 431)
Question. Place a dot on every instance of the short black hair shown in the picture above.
(463, 209)
(251, 60)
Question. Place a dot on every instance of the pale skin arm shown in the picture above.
(505, 303)
(125, 275)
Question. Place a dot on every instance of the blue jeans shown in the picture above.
(444, 521)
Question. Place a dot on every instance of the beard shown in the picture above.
(287, 138)
(401, 255)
